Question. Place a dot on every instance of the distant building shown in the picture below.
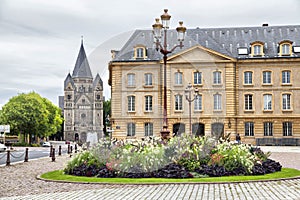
(247, 79)
(83, 103)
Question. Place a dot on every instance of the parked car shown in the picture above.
(2, 147)
(46, 144)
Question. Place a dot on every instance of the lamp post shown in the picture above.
(190, 95)
(161, 46)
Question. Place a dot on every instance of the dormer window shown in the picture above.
(285, 48)
(140, 52)
(257, 49)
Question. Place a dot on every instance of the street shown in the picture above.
(18, 154)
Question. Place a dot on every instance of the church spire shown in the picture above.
(82, 67)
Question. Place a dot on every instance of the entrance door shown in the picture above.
(76, 137)
(83, 137)
(217, 130)
(178, 129)
(198, 129)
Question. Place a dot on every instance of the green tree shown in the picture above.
(54, 118)
(106, 114)
(31, 115)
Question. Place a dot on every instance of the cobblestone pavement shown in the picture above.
(19, 182)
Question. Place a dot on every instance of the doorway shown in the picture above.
(198, 129)
(178, 129)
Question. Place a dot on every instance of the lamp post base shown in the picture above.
(165, 134)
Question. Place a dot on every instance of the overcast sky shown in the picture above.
(40, 39)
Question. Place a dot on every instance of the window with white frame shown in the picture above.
(197, 78)
(285, 49)
(286, 77)
(217, 77)
(131, 79)
(287, 128)
(148, 129)
(286, 102)
(148, 79)
(131, 129)
(247, 77)
(198, 102)
(131, 103)
(268, 128)
(178, 78)
(248, 102)
(148, 103)
(178, 102)
(217, 102)
(140, 52)
(257, 50)
(267, 77)
(249, 129)
(267, 102)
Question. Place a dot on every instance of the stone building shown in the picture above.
(246, 78)
(83, 103)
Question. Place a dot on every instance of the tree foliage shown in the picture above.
(106, 114)
(30, 114)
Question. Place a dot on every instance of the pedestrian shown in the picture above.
(238, 138)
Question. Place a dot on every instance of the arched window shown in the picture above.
(285, 48)
(257, 48)
(140, 52)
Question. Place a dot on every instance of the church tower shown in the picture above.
(83, 103)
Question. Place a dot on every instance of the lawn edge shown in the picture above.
(163, 183)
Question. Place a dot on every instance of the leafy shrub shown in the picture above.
(259, 154)
(181, 157)
(85, 158)
(235, 157)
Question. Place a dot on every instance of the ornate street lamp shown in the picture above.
(157, 32)
(190, 95)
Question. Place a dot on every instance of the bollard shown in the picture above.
(59, 150)
(75, 148)
(51, 147)
(71, 149)
(53, 154)
(68, 149)
(26, 155)
(8, 158)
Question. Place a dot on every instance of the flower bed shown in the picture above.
(181, 157)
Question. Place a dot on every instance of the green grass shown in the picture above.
(59, 176)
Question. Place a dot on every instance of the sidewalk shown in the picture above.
(19, 182)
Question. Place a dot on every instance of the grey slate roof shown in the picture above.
(223, 40)
(97, 80)
(82, 68)
(68, 80)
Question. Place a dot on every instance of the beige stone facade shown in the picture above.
(254, 94)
